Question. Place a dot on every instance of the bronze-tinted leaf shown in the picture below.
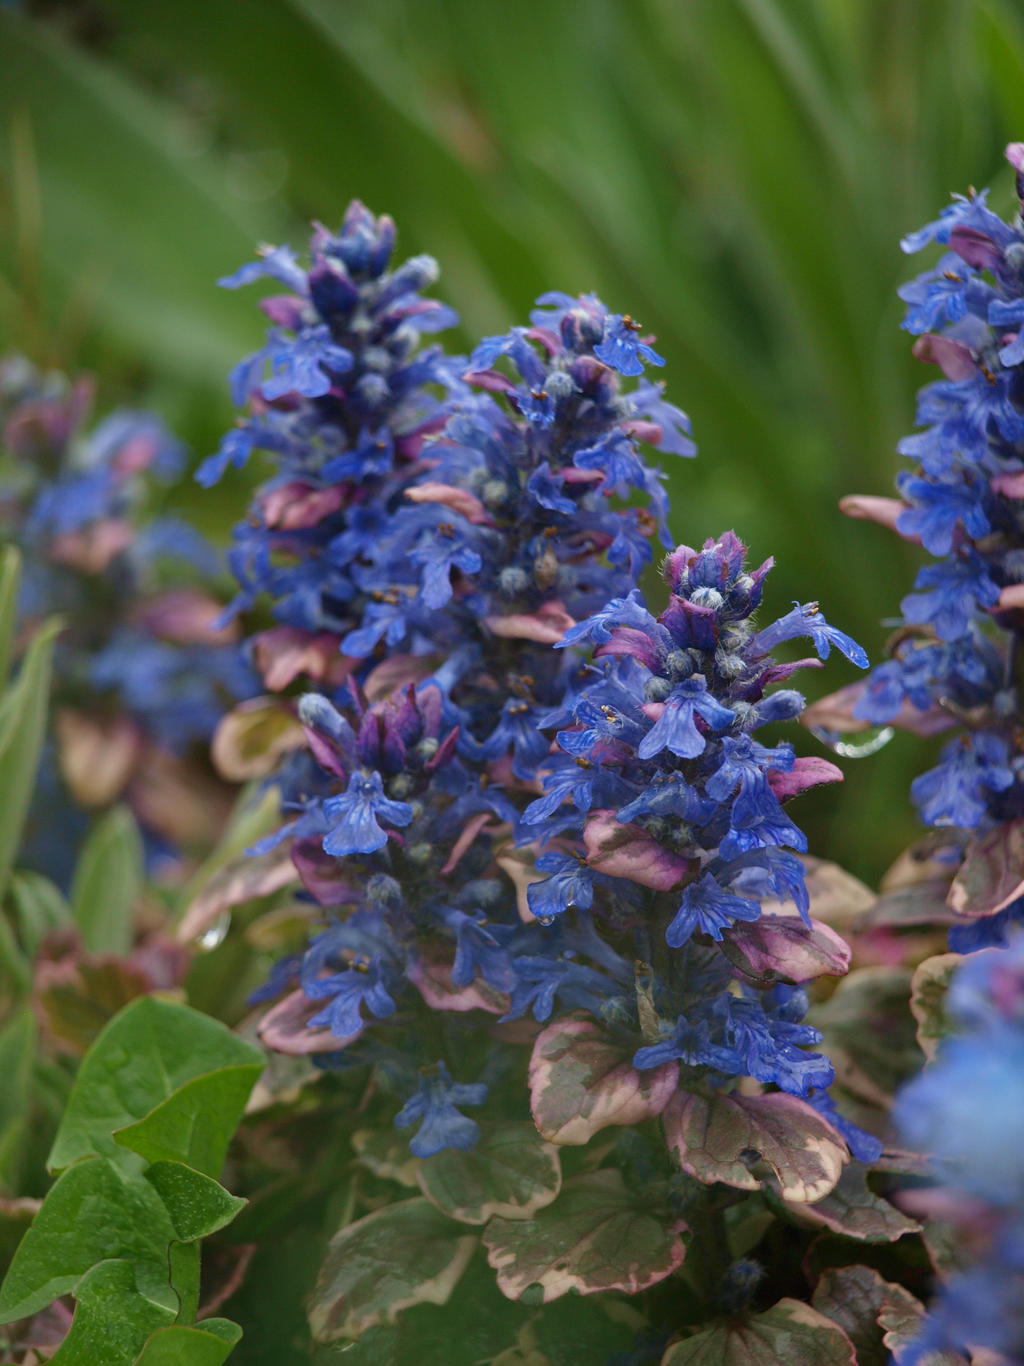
(854, 1297)
(853, 1209)
(242, 881)
(404, 1254)
(870, 1032)
(789, 1334)
(596, 1236)
(992, 873)
(581, 1081)
(781, 945)
(511, 1172)
(729, 1138)
(251, 740)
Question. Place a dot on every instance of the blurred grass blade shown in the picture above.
(107, 883)
(10, 581)
(23, 714)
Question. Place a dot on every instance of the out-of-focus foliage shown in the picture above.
(738, 170)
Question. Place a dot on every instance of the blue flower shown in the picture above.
(571, 883)
(622, 349)
(301, 366)
(434, 1108)
(676, 728)
(364, 983)
(954, 793)
(808, 620)
(355, 817)
(707, 909)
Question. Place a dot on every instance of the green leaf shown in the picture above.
(144, 1055)
(39, 906)
(727, 1138)
(107, 882)
(475, 1325)
(197, 1205)
(17, 1054)
(788, 1334)
(23, 711)
(112, 1319)
(10, 581)
(992, 873)
(581, 1081)
(852, 1208)
(202, 1345)
(195, 1123)
(596, 1236)
(92, 1213)
(386, 1154)
(401, 1255)
(929, 987)
(511, 1172)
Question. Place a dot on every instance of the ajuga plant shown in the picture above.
(954, 671)
(967, 1110)
(142, 674)
(551, 882)
(955, 660)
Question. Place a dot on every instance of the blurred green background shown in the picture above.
(735, 173)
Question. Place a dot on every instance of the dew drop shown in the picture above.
(216, 934)
(871, 744)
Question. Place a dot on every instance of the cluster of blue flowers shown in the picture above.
(672, 813)
(447, 544)
(139, 662)
(955, 663)
(967, 1110)
(349, 401)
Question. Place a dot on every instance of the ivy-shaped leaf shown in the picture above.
(197, 1205)
(789, 1334)
(143, 1056)
(112, 1319)
(404, 1254)
(195, 1123)
(206, 1344)
(596, 1236)
(511, 1172)
(91, 1214)
(853, 1209)
(728, 1138)
(928, 989)
(581, 1081)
